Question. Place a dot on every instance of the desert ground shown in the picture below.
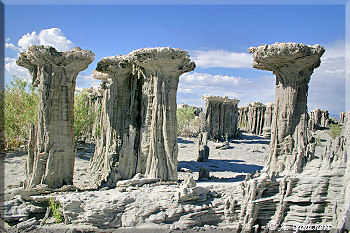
(228, 168)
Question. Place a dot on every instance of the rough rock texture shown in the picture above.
(203, 149)
(268, 119)
(221, 117)
(251, 118)
(162, 206)
(293, 65)
(342, 117)
(318, 119)
(51, 148)
(18, 209)
(203, 173)
(256, 118)
(138, 115)
(256, 113)
(138, 180)
(318, 196)
(243, 117)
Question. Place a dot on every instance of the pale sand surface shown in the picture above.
(245, 155)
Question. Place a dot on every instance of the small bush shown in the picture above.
(242, 125)
(84, 117)
(20, 110)
(335, 130)
(188, 123)
(56, 210)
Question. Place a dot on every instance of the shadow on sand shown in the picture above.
(218, 165)
(85, 151)
(180, 140)
(251, 139)
(15, 153)
(231, 179)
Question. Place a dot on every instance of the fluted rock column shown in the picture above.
(140, 126)
(243, 118)
(268, 119)
(293, 65)
(51, 161)
(256, 113)
(318, 119)
(342, 117)
(221, 117)
(203, 148)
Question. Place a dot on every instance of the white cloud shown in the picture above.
(13, 69)
(52, 37)
(193, 86)
(328, 85)
(221, 58)
(48, 37)
(11, 46)
(84, 81)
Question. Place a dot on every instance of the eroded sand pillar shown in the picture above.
(256, 113)
(268, 119)
(51, 149)
(221, 117)
(243, 118)
(293, 65)
(140, 115)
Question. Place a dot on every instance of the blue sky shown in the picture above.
(216, 36)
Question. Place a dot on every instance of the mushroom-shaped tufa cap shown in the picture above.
(39, 55)
(221, 99)
(278, 55)
(150, 58)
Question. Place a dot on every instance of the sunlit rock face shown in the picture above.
(139, 126)
(221, 117)
(318, 119)
(256, 118)
(51, 147)
(293, 64)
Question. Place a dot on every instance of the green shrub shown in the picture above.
(226, 137)
(242, 125)
(84, 117)
(56, 210)
(21, 101)
(20, 110)
(319, 141)
(335, 130)
(188, 123)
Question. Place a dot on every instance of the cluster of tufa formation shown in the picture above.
(318, 119)
(256, 118)
(138, 115)
(51, 146)
(319, 196)
(295, 188)
(136, 140)
(221, 117)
